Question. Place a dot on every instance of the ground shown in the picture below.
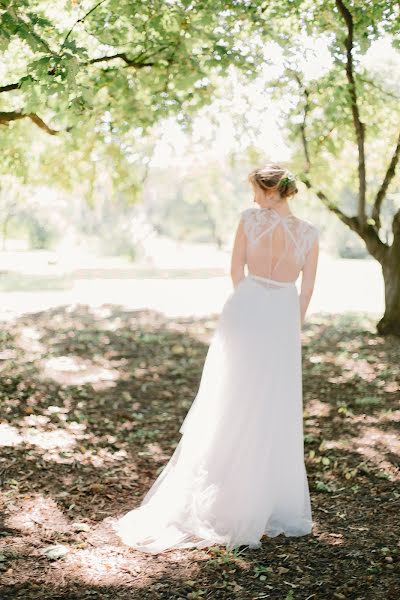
(92, 400)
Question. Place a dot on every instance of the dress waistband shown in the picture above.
(268, 280)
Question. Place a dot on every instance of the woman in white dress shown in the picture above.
(238, 471)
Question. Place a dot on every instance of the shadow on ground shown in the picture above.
(91, 404)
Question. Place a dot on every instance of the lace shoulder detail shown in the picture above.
(300, 233)
(254, 222)
(309, 233)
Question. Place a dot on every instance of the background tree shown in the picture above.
(346, 123)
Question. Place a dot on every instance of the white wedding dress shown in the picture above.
(238, 470)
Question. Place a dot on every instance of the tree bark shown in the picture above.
(380, 196)
(390, 322)
(359, 126)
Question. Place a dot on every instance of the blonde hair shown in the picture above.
(274, 177)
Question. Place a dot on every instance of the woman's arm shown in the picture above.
(308, 279)
(238, 259)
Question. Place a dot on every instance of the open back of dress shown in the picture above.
(277, 246)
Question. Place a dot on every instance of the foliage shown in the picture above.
(101, 74)
(135, 61)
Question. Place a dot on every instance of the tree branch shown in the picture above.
(7, 117)
(303, 125)
(358, 125)
(377, 87)
(122, 56)
(390, 173)
(40, 123)
(349, 221)
(138, 62)
(368, 233)
(9, 87)
(304, 177)
(395, 248)
(131, 62)
(81, 21)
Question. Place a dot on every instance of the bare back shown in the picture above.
(277, 246)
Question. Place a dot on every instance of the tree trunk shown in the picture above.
(390, 322)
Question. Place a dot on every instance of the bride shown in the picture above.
(238, 472)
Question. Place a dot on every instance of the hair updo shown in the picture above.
(273, 177)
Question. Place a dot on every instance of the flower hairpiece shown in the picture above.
(284, 182)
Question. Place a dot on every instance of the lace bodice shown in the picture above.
(277, 245)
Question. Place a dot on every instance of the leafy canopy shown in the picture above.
(136, 61)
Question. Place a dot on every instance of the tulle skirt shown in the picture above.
(238, 470)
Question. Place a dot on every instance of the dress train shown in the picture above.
(238, 470)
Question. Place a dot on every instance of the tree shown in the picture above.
(338, 118)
